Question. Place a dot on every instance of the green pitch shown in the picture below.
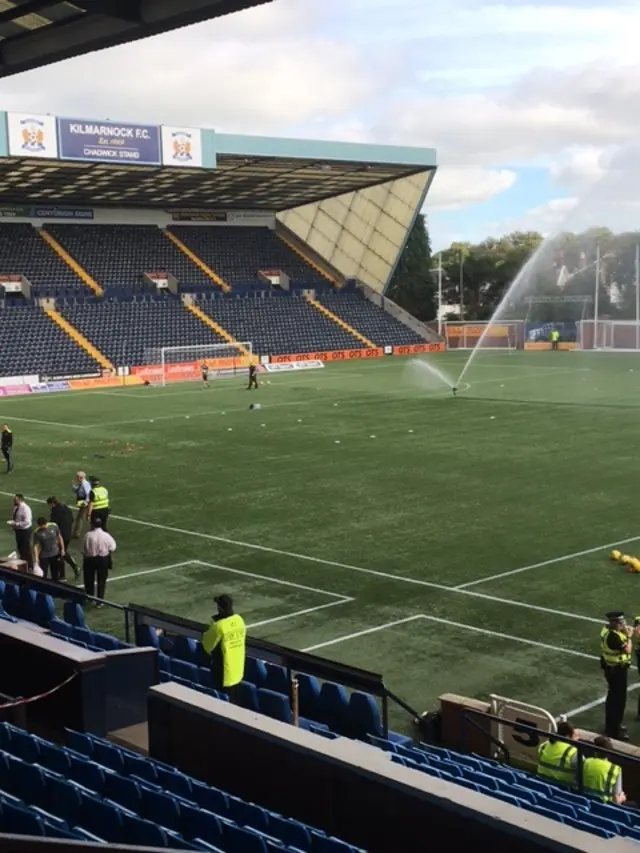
(364, 515)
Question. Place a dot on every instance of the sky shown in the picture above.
(526, 103)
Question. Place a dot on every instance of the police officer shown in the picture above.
(615, 659)
(555, 337)
(557, 760)
(6, 445)
(225, 641)
(98, 502)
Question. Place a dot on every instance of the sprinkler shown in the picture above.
(454, 390)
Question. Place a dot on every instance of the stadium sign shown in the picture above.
(32, 136)
(109, 142)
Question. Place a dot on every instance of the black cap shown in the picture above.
(52, 500)
(95, 481)
(615, 615)
(224, 602)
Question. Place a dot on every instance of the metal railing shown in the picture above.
(537, 736)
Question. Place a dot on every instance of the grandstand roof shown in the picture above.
(250, 173)
(38, 32)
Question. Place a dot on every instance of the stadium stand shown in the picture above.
(238, 253)
(371, 321)
(117, 256)
(277, 323)
(24, 252)
(30, 343)
(126, 329)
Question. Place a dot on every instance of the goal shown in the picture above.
(184, 363)
(618, 335)
(467, 335)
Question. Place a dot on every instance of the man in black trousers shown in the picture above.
(62, 515)
(6, 446)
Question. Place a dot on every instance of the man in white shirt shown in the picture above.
(22, 523)
(82, 490)
(97, 548)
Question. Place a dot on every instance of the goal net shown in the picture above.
(619, 335)
(186, 363)
(467, 335)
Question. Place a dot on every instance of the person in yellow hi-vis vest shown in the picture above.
(557, 760)
(602, 778)
(225, 640)
(615, 659)
(98, 502)
(555, 337)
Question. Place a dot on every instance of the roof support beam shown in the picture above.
(30, 8)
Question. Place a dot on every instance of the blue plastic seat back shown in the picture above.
(175, 783)
(84, 635)
(290, 832)
(186, 649)
(142, 767)
(73, 614)
(88, 774)
(44, 609)
(11, 600)
(64, 800)
(205, 679)
(27, 604)
(109, 756)
(146, 635)
(184, 669)
(333, 707)
(60, 628)
(248, 814)
(16, 820)
(144, 833)
(160, 808)
(25, 746)
(255, 671)
(78, 742)
(247, 696)
(106, 642)
(275, 705)
(102, 819)
(364, 716)
(27, 781)
(277, 679)
(240, 840)
(200, 823)
(211, 799)
(308, 695)
(54, 758)
(123, 791)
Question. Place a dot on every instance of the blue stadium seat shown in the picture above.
(333, 707)
(103, 819)
(199, 823)
(248, 814)
(247, 696)
(275, 705)
(308, 694)
(60, 628)
(255, 671)
(44, 610)
(16, 820)
(124, 791)
(277, 679)
(185, 670)
(73, 614)
(11, 600)
(237, 839)
(161, 808)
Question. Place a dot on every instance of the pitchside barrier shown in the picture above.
(189, 371)
(512, 731)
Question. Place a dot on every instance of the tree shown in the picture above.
(411, 286)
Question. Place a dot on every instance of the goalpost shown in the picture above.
(609, 335)
(465, 335)
(184, 363)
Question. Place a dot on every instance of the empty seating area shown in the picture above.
(117, 256)
(372, 322)
(277, 324)
(95, 791)
(125, 331)
(31, 343)
(518, 788)
(24, 252)
(237, 254)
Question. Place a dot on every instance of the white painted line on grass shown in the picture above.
(510, 637)
(296, 613)
(449, 624)
(363, 633)
(43, 423)
(595, 704)
(274, 580)
(143, 572)
(551, 562)
(346, 566)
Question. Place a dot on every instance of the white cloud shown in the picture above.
(454, 188)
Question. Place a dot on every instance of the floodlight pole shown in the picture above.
(595, 300)
(438, 269)
(637, 295)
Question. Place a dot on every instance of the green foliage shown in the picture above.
(412, 286)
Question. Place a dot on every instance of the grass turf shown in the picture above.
(317, 540)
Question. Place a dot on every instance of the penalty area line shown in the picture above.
(576, 554)
(589, 706)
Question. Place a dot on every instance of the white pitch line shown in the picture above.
(550, 562)
(274, 580)
(346, 566)
(43, 423)
(363, 633)
(304, 612)
(591, 705)
(513, 639)
(148, 571)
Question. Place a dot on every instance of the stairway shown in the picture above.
(207, 320)
(71, 262)
(225, 286)
(79, 338)
(340, 322)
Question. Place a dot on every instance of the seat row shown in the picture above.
(94, 789)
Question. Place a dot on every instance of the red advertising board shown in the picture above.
(332, 355)
(416, 349)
